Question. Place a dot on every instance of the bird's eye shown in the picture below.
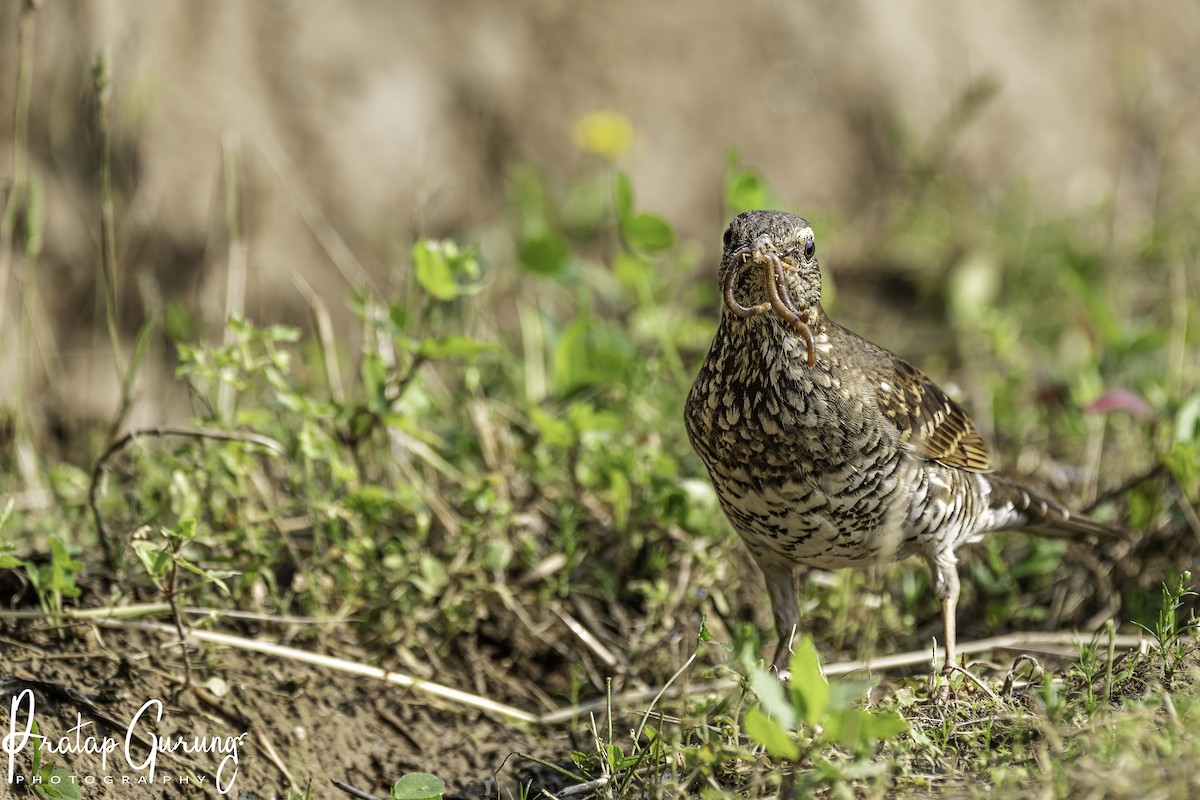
(728, 237)
(810, 248)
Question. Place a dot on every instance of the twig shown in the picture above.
(340, 664)
(350, 790)
(324, 325)
(154, 609)
(1035, 671)
(971, 677)
(588, 638)
(195, 433)
(1017, 641)
(550, 565)
(580, 788)
(1052, 642)
(169, 589)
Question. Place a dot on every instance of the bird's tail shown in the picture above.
(1016, 507)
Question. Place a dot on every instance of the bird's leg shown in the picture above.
(731, 302)
(948, 627)
(945, 587)
(783, 587)
(781, 301)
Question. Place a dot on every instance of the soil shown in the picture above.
(264, 723)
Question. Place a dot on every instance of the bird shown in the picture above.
(827, 451)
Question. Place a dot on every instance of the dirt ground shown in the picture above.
(274, 722)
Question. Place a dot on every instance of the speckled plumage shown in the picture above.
(842, 456)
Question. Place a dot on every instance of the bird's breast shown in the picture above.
(798, 469)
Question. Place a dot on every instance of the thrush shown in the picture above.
(829, 451)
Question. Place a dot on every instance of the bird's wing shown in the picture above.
(930, 423)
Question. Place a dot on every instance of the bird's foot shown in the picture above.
(1033, 675)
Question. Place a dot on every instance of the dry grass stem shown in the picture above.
(340, 664)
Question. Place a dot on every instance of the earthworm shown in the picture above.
(777, 298)
(781, 301)
(731, 302)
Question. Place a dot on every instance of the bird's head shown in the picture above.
(751, 239)
(769, 269)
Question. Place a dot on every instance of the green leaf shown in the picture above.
(37, 747)
(768, 733)
(883, 726)
(497, 555)
(397, 318)
(418, 786)
(767, 688)
(8, 562)
(556, 432)
(544, 253)
(648, 232)
(451, 346)
(63, 568)
(433, 271)
(744, 188)
(435, 264)
(855, 728)
(217, 577)
(185, 529)
(57, 784)
(621, 497)
(809, 688)
(623, 196)
(6, 512)
(153, 556)
(745, 191)
(591, 352)
(1183, 460)
(1044, 558)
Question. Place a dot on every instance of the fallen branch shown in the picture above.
(156, 609)
(350, 790)
(340, 664)
(1054, 643)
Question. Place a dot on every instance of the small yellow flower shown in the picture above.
(608, 134)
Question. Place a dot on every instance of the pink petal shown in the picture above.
(1120, 400)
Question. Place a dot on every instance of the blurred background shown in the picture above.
(309, 145)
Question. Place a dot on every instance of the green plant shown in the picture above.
(54, 580)
(163, 559)
(830, 714)
(418, 786)
(49, 782)
(1170, 629)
